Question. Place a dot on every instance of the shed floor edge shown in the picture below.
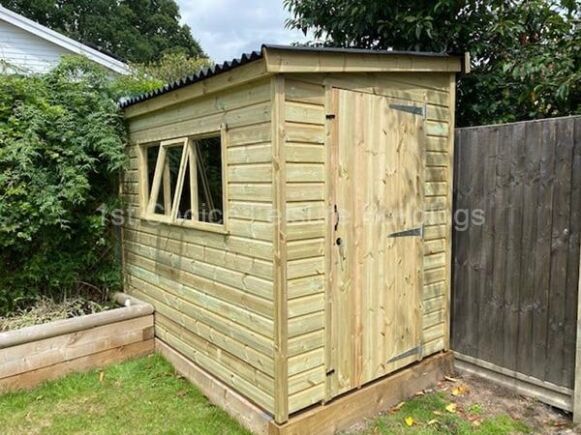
(328, 418)
(368, 401)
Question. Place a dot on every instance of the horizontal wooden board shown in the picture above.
(306, 305)
(235, 380)
(304, 133)
(250, 154)
(245, 313)
(217, 354)
(306, 343)
(250, 134)
(209, 255)
(300, 91)
(305, 361)
(307, 285)
(35, 355)
(304, 153)
(189, 315)
(306, 380)
(243, 96)
(85, 363)
(307, 267)
(306, 248)
(304, 113)
(305, 172)
(200, 274)
(256, 114)
(305, 324)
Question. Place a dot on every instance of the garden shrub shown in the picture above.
(61, 153)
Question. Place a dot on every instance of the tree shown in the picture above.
(136, 30)
(526, 53)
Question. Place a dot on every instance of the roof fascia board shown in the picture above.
(62, 41)
(280, 60)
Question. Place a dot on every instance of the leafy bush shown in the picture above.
(61, 150)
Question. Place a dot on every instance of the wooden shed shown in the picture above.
(290, 221)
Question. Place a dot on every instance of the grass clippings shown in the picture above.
(46, 310)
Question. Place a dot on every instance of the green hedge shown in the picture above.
(61, 153)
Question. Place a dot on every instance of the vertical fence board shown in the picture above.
(541, 268)
(460, 244)
(516, 276)
(530, 220)
(488, 155)
(570, 327)
(559, 251)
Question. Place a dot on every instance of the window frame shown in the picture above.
(188, 157)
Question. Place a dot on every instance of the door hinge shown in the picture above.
(414, 110)
(410, 352)
(330, 116)
(414, 232)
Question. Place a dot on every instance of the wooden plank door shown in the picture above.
(377, 164)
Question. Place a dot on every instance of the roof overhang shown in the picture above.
(288, 59)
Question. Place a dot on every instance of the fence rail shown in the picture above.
(516, 276)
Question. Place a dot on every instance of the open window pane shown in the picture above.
(173, 157)
(185, 204)
(184, 179)
(152, 155)
(209, 180)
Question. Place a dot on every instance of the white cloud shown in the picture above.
(228, 28)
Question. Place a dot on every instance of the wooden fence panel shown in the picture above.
(516, 275)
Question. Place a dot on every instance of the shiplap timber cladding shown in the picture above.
(517, 275)
(250, 303)
(305, 124)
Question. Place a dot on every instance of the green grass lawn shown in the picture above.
(142, 396)
(145, 396)
(431, 414)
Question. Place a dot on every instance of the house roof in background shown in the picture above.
(257, 55)
(63, 41)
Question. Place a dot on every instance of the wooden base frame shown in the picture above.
(368, 401)
(329, 418)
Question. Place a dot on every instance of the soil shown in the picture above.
(495, 400)
(477, 399)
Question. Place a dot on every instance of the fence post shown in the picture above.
(577, 390)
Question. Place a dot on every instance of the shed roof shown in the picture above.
(296, 59)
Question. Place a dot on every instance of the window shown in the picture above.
(184, 181)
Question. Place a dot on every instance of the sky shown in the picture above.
(228, 28)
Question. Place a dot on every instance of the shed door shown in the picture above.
(377, 254)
